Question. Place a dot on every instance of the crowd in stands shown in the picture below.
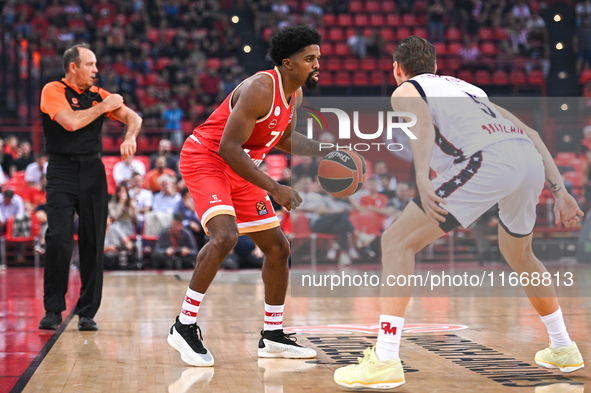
(172, 61)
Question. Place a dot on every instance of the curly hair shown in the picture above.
(290, 40)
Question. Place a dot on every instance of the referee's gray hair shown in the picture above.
(72, 55)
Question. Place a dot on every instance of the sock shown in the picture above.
(556, 329)
(273, 317)
(388, 345)
(188, 315)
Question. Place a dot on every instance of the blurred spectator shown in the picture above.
(327, 215)
(11, 205)
(186, 208)
(435, 24)
(25, 156)
(518, 34)
(404, 194)
(374, 202)
(306, 167)
(337, 6)
(587, 182)
(586, 141)
(151, 181)
(172, 117)
(384, 186)
(506, 56)
(6, 155)
(313, 14)
(164, 146)
(583, 11)
(168, 198)
(35, 172)
(469, 53)
(141, 196)
(124, 170)
(244, 255)
(583, 45)
(380, 168)
(175, 247)
(357, 44)
(520, 12)
(122, 222)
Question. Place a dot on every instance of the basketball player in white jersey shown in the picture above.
(482, 155)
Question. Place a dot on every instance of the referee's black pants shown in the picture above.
(75, 184)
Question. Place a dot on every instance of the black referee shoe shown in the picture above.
(50, 321)
(87, 324)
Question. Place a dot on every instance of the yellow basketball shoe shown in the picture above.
(371, 373)
(566, 359)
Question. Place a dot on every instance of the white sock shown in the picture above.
(388, 345)
(273, 317)
(188, 315)
(556, 329)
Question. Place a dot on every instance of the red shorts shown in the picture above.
(216, 189)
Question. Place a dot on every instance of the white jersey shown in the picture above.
(465, 120)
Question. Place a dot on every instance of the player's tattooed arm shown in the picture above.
(553, 186)
(299, 145)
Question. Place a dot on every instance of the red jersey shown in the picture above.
(267, 130)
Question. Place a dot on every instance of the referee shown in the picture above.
(73, 110)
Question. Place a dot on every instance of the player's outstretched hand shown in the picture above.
(127, 148)
(431, 202)
(567, 211)
(287, 197)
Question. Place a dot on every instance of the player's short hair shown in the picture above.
(72, 55)
(415, 55)
(290, 40)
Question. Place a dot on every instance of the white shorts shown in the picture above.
(510, 173)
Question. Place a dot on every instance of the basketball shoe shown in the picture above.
(187, 339)
(371, 373)
(277, 344)
(566, 359)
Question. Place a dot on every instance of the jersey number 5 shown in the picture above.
(483, 107)
(275, 134)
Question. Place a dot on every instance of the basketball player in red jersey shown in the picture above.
(219, 163)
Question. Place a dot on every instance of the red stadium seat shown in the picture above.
(485, 34)
(330, 20)
(482, 77)
(377, 78)
(342, 78)
(440, 48)
(344, 20)
(536, 77)
(392, 20)
(11, 237)
(369, 64)
(409, 20)
(326, 78)
(454, 48)
(361, 20)
(327, 49)
(360, 78)
(454, 64)
(341, 49)
(336, 34)
(420, 32)
(377, 20)
(387, 33)
(372, 6)
(488, 49)
(466, 75)
(402, 32)
(355, 6)
(453, 34)
(388, 6)
(517, 77)
(385, 64)
(333, 64)
(351, 64)
(500, 77)
(276, 164)
(501, 34)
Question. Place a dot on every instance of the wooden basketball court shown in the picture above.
(464, 344)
